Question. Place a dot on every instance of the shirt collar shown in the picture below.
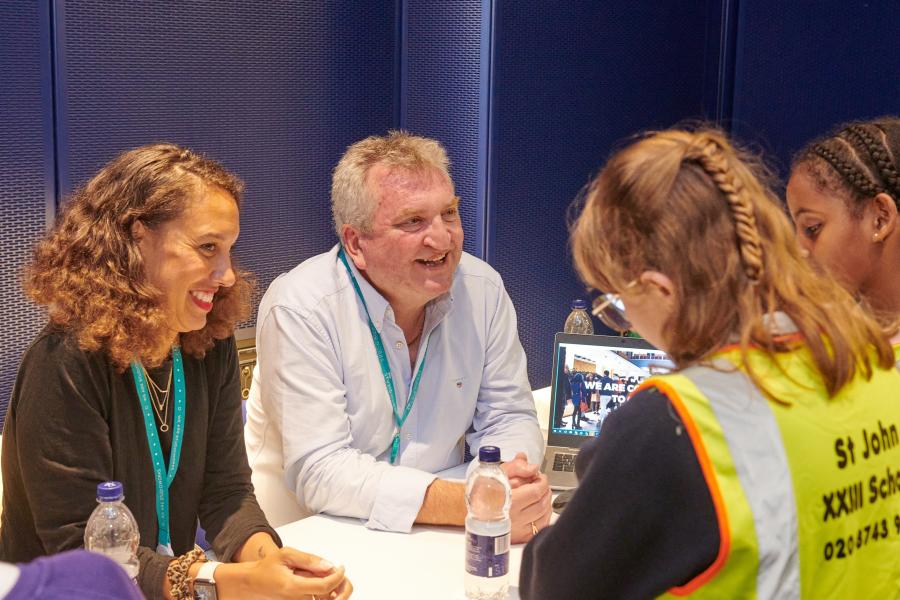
(435, 311)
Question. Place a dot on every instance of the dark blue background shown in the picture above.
(528, 96)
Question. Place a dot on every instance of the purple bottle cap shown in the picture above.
(489, 454)
(579, 304)
(109, 491)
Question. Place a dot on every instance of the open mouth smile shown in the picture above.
(434, 262)
(203, 299)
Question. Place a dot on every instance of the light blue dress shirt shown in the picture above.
(320, 423)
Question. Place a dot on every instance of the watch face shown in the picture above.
(204, 590)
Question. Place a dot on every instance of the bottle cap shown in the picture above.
(579, 304)
(489, 454)
(109, 491)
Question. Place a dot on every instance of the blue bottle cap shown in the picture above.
(489, 454)
(579, 304)
(109, 491)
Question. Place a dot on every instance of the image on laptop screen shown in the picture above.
(594, 375)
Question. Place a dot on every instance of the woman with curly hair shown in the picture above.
(844, 197)
(765, 466)
(135, 379)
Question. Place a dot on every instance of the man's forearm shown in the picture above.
(444, 504)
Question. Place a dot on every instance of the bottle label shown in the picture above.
(487, 555)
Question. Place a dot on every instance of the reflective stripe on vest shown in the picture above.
(765, 461)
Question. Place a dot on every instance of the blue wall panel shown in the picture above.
(276, 91)
(802, 67)
(442, 94)
(570, 79)
(26, 171)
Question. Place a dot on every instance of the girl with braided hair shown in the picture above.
(761, 466)
(844, 194)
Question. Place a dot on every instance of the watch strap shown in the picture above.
(207, 571)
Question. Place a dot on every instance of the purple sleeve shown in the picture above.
(77, 574)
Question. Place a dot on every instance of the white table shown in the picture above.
(427, 563)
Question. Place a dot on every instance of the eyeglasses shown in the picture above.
(610, 309)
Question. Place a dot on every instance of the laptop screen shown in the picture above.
(593, 375)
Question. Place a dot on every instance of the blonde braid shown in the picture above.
(715, 162)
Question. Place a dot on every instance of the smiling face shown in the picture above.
(835, 239)
(189, 258)
(416, 238)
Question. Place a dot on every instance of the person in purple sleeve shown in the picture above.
(73, 575)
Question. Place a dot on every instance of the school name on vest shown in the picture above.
(851, 498)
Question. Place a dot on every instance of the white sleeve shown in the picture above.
(303, 394)
(505, 415)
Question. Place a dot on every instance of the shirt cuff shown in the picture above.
(399, 498)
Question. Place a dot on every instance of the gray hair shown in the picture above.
(350, 201)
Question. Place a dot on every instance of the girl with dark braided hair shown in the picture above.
(844, 197)
(742, 474)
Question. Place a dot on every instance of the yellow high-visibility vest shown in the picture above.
(806, 489)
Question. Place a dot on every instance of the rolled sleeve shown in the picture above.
(398, 499)
(505, 415)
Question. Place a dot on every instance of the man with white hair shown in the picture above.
(378, 359)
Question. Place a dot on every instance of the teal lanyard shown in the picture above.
(163, 476)
(399, 419)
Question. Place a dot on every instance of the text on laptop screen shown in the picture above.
(592, 381)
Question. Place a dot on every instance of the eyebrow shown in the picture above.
(409, 212)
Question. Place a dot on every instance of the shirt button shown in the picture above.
(398, 345)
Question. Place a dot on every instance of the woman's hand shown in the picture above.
(285, 573)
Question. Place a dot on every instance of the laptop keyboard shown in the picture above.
(564, 462)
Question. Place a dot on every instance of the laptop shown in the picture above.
(600, 371)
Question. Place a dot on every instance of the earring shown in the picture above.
(876, 237)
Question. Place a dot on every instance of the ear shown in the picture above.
(138, 231)
(351, 240)
(883, 216)
(658, 284)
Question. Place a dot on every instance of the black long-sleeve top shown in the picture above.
(74, 422)
(642, 520)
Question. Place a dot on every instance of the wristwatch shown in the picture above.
(205, 583)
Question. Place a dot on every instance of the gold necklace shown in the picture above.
(160, 407)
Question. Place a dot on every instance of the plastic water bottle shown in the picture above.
(112, 530)
(488, 497)
(579, 321)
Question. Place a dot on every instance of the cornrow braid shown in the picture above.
(713, 160)
(853, 175)
(880, 155)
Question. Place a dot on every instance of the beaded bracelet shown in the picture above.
(177, 573)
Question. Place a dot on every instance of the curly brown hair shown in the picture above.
(89, 271)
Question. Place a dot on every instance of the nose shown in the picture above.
(438, 234)
(224, 274)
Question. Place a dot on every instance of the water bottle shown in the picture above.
(112, 530)
(579, 321)
(488, 497)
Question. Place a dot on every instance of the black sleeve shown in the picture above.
(642, 520)
(63, 447)
(228, 510)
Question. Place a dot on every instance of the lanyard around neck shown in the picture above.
(163, 477)
(399, 419)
